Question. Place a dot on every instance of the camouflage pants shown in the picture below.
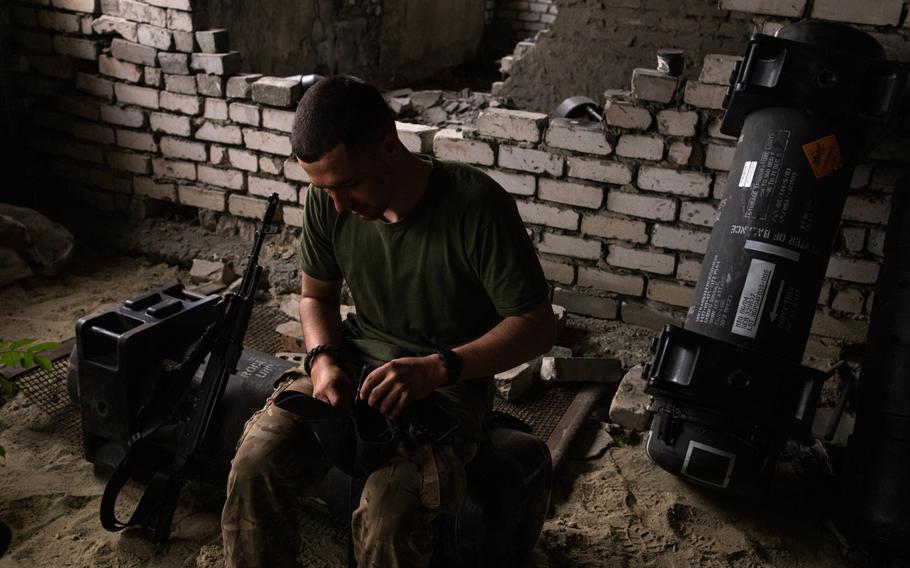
(278, 457)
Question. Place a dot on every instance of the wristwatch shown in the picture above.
(452, 363)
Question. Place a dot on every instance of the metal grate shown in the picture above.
(261, 334)
(48, 391)
(541, 408)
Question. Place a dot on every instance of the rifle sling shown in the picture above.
(156, 506)
(160, 495)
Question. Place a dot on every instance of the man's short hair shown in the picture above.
(339, 109)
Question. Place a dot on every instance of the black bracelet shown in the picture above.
(317, 351)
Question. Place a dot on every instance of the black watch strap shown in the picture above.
(452, 362)
(317, 351)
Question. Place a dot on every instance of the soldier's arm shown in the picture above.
(320, 320)
(515, 340)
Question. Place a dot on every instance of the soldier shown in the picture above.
(448, 290)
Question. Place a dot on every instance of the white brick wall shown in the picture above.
(717, 68)
(626, 115)
(267, 142)
(867, 209)
(151, 188)
(579, 136)
(679, 152)
(201, 197)
(644, 147)
(692, 184)
(787, 8)
(184, 149)
(244, 114)
(853, 270)
(517, 125)
(133, 95)
(226, 134)
(131, 117)
(675, 238)
(250, 207)
(677, 123)
(230, 179)
(698, 213)
(718, 157)
(451, 145)
(277, 119)
(874, 12)
(628, 284)
(265, 187)
(599, 170)
(600, 225)
(688, 269)
(638, 205)
(185, 104)
(558, 271)
(142, 141)
(177, 169)
(416, 137)
(540, 214)
(704, 95)
(652, 85)
(516, 184)
(569, 246)
(529, 160)
(671, 293)
(647, 261)
(570, 193)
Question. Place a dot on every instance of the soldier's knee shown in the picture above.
(390, 503)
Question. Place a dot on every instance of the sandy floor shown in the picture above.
(616, 510)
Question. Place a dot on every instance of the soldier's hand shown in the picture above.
(393, 386)
(332, 385)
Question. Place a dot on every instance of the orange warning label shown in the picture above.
(824, 155)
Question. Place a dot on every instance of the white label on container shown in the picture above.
(745, 179)
(752, 300)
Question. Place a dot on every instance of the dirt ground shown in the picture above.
(613, 511)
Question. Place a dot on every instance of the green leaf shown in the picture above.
(28, 359)
(43, 346)
(15, 345)
(8, 388)
(4, 346)
(44, 363)
(10, 359)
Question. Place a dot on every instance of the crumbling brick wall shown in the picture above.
(524, 18)
(289, 37)
(593, 45)
(126, 112)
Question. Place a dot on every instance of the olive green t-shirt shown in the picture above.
(441, 277)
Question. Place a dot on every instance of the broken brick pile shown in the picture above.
(130, 104)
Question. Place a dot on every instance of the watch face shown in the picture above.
(452, 362)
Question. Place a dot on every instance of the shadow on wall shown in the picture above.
(386, 41)
(593, 45)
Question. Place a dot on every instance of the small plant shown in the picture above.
(21, 353)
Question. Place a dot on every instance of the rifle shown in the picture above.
(223, 342)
